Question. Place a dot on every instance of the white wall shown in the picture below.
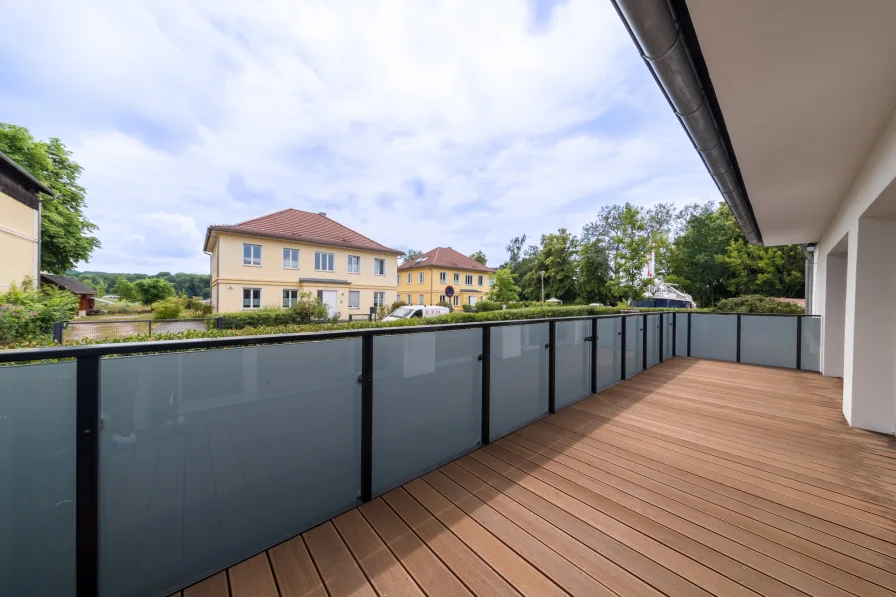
(868, 348)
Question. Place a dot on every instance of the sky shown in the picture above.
(418, 123)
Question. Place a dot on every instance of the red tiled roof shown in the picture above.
(304, 226)
(445, 257)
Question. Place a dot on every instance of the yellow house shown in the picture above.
(19, 224)
(432, 277)
(269, 261)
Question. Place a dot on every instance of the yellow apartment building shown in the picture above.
(430, 278)
(269, 261)
(19, 224)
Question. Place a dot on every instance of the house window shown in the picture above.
(468, 279)
(399, 279)
(379, 267)
(443, 278)
(251, 298)
(481, 280)
(409, 300)
(354, 299)
(251, 254)
(442, 298)
(290, 298)
(409, 278)
(323, 262)
(354, 264)
(491, 281)
(420, 278)
(457, 278)
(379, 299)
(457, 300)
(291, 258)
(419, 299)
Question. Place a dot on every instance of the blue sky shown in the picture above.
(418, 123)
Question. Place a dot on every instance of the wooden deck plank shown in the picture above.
(294, 570)
(424, 567)
(213, 586)
(340, 572)
(253, 578)
(692, 478)
(386, 573)
(463, 561)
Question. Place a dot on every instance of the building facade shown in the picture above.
(426, 279)
(19, 224)
(269, 261)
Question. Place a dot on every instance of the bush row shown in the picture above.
(756, 303)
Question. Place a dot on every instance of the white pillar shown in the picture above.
(869, 388)
(834, 314)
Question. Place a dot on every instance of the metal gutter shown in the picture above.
(664, 34)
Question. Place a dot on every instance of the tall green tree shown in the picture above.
(151, 290)
(66, 233)
(411, 254)
(557, 258)
(480, 257)
(594, 274)
(125, 290)
(505, 288)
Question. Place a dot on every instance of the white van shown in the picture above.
(411, 311)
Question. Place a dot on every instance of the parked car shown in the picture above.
(416, 311)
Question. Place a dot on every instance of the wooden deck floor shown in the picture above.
(693, 478)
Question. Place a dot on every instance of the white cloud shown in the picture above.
(191, 113)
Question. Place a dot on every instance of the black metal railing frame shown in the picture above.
(88, 395)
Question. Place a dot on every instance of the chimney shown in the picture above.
(322, 213)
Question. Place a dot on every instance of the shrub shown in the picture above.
(307, 309)
(27, 314)
(169, 308)
(756, 303)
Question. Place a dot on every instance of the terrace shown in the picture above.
(427, 460)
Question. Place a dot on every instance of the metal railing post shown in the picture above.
(674, 334)
(150, 327)
(57, 332)
(689, 334)
(662, 346)
(219, 323)
(738, 337)
(644, 343)
(552, 366)
(87, 476)
(486, 358)
(622, 344)
(366, 418)
(594, 355)
(799, 341)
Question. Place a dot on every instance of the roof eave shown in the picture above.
(305, 239)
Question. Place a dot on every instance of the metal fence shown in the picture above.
(72, 331)
(177, 459)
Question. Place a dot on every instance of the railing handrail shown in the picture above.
(76, 322)
(122, 348)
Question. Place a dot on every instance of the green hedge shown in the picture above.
(756, 303)
(254, 319)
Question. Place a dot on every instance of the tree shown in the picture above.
(557, 258)
(631, 242)
(66, 237)
(515, 250)
(151, 290)
(480, 257)
(594, 274)
(125, 290)
(505, 288)
(412, 254)
(768, 271)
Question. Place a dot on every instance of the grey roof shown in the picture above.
(67, 283)
(29, 179)
(324, 281)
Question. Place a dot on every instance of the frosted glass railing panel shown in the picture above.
(573, 373)
(37, 480)
(768, 340)
(634, 344)
(653, 340)
(519, 377)
(427, 402)
(681, 334)
(668, 334)
(609, 351)
(810, 351)
(714, 336)
(210, 457)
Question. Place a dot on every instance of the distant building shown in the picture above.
(19, 224)
(269, 261)
(426, 279)
(85, 293)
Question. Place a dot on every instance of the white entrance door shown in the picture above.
(328, 298)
